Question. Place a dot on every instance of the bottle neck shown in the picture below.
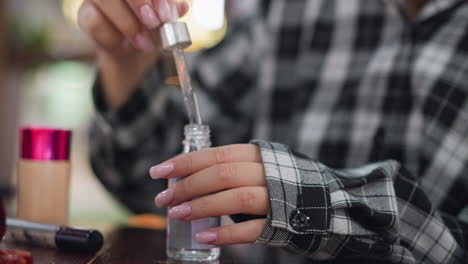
(196, 137)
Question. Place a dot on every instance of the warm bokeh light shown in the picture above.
(209, 14)
(207, 23)
(70, 10)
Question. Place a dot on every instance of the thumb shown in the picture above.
(182, 8)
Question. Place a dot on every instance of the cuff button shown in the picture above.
(299, 221)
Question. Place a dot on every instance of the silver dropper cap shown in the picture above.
(175, 34)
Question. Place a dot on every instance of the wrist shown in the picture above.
(120, 76)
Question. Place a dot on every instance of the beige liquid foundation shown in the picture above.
(44, 175)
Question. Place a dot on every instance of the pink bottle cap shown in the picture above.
(45, 144)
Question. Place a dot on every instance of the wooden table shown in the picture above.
(140, 246)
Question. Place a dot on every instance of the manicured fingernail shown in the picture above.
(165, 198)
(164, 10)
(183, 8)
(144, 43)
(161, 170)
(180, 211)
(149, 17)
(206, 237)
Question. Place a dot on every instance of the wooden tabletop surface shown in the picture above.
(137, 245)
(129, 245)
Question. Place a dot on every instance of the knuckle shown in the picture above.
(88, 17)
(259, 169)
(130, 28)
(126, 24)
(184, 188)
(220, 154)
(203, 208)
(179, 190)
(247, 198)
(226, 235)
(188, 161)
(226, 173)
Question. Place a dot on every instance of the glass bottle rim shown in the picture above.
(197, 130)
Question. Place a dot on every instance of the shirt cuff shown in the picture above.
(298, 193)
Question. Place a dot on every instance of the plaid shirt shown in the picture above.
(352, 84)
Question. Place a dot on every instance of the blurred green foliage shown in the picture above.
(27, 36)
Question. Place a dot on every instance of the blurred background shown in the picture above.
(46, 73)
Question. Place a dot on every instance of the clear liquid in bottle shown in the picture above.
(181, 243)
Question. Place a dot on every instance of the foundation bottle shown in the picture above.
(44, 175)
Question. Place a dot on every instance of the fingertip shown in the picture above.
(163, 8)
(206, 237)
(241, 233)
(85, 12)
(155, 200)
(164, 198)
(182, 8)
(180, 212)
(149, 17)
(89, 18)
(161, 170)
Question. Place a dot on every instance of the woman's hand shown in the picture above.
(229, 180)
(123, 31)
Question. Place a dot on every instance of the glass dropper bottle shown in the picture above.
(181, 243)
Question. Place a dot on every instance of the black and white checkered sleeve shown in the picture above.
(378, 210)
(126, 142)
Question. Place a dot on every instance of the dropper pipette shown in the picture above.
(190, 98)
(175, 37)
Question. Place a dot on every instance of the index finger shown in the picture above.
(144, 10)
(192, 162)
(154, 12)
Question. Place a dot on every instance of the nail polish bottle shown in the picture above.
(44, 175)
(181, 242)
